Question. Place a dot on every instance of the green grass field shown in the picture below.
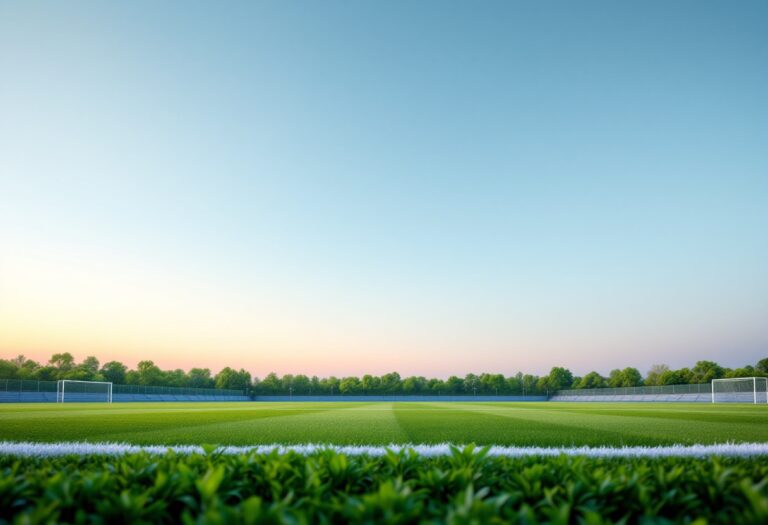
(327, 487)
(531, 424)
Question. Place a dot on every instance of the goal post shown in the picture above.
(74, 391)
(740, 390)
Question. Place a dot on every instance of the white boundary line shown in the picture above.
(27, 449)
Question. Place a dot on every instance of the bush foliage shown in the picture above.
(467, 487)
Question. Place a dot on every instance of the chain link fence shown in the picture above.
(26, 385)
(702, 388)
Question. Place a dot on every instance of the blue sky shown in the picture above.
(351, 187)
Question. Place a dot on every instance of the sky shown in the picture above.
(359, 187)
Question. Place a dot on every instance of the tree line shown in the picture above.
(147, 373)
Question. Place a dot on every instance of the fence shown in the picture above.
(26, 385)
(702, 388)
(398, 398)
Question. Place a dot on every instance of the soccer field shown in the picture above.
(527, 424)
(69, 482)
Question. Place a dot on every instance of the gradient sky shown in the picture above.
(359, 187)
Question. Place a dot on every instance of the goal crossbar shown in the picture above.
(61, 389)
(741, 388)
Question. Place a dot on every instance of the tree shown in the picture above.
(330, 385)
(63, 362)
(91, 364)
(7, 369)
(225, 377)
(132, 377)
(515, 384)
(471, 383)
(653, 378)
(747, 371)
(149, 374)
(454, 385)
(88, 370)
(228, 378)
(414, 385)
(631, 377)
(592, 380)
(27, 367)
(286, 384)
(200, 378)
(559, 379)
(762, 366)
(177, 378)
(270, 385)
(349, 386)
(78, 374)
(18, 368)
(435, 386)
(243, 380)
(301, 385)
(391, 383)
(615, 378)
(370, 384)
(627, 377)
(46, 373)
(493, 384)
(529, 383)
(671, 377)
(706, 371)
(114, 371)
(685, 376)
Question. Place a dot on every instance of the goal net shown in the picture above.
(740, 390)
(71, 391)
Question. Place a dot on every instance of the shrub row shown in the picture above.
(467, 487)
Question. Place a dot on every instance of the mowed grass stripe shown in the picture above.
(237, 424)
(345, 424)
(219, 430)
(383, 423)
(465, 423)
(639, 430)
(126, 426)
(718, 410)
(754, 418)
(240, 431)
(553, 429)
(444, 423)
(29, 411)
(354, 424)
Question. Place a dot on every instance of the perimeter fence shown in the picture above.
(26, 385)
(699, 388)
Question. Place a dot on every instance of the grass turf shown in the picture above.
(530, 424)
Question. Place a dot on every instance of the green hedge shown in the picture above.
(467, 487)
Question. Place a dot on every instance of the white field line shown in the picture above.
(27, 449)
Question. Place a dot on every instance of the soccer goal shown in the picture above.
(72, 391)
(740, 390)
